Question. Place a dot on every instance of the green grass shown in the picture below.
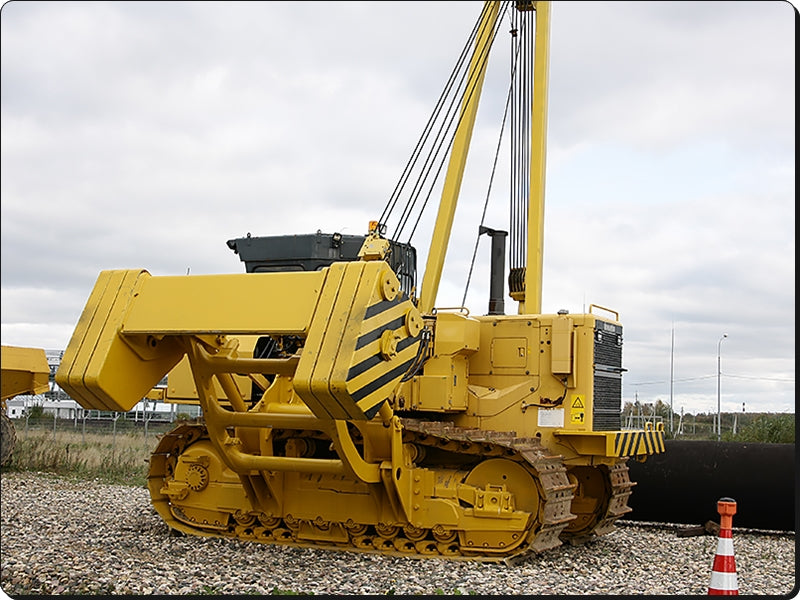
(119, 459)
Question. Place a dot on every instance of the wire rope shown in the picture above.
(509, 95)
(446, 115)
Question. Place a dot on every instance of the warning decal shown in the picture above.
(577, 413)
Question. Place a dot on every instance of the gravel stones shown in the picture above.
(59, 536)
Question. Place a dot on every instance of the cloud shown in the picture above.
(145, 135)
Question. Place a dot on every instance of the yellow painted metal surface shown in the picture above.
(622, 443)
(533, 374)
(102, 370)
(234, 304)
(24, 371)
(182, 389)
(359, 344)
(532, 302)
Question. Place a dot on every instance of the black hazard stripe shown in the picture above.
(371, 336)
(648, 441)
(658, 441)
(620, 439)
(381, 306)
(625, 442)
(381, 381)
(366, 364)
(639, 437)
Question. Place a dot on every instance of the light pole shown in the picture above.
(671, 372)
(719, 413)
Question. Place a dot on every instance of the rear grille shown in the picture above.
(607, 376)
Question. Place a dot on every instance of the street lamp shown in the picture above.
(719, 413)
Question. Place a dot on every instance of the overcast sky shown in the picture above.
(145, 135)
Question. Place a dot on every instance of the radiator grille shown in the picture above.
(607, 376)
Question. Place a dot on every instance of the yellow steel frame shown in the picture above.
(622, 443)
(530, 301)
(136, 327)
(25, 371)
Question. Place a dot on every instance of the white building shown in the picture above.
(58, 404)
(61, 406)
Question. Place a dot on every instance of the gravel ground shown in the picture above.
(63, 537)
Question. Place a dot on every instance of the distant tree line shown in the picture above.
(774, 428)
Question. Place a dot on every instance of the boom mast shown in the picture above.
(458, 159)
(531, 300)
(530, 296)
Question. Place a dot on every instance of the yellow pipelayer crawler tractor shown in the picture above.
(24, 371)
(341, 410)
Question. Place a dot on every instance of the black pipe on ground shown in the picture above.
(683, 484)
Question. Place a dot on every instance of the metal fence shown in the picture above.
(116, 424)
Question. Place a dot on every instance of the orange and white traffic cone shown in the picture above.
(723, 573)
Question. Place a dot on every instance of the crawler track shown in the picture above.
(548, 528)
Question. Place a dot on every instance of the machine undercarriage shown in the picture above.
(500, 497)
